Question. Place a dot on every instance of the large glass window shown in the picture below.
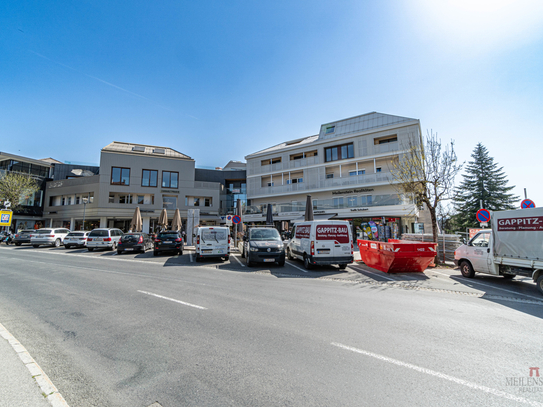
(169, 202)
(170, 179)
(120, 176)
(149, 178)
(342, 152)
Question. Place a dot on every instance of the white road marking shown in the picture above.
(374, 273)
(471, 385)
(172, 299)
(299, 268)
(238, 260)
(491, 286)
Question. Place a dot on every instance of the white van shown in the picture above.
(211, 241)
(321, 242)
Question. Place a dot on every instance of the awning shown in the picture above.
(323, 216)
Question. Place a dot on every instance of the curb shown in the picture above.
(47, 387)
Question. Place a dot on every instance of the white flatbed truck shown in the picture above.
(513, 246)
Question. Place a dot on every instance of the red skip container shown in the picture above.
(397, 256)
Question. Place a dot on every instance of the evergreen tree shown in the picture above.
(485, 182)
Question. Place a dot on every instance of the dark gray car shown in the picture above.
(263, 245)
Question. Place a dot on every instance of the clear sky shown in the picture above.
(218, 80)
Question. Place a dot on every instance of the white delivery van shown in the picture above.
(211, 241)
(321, 242)
(514, 246)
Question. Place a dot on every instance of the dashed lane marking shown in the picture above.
(173, 299)
(440, 375)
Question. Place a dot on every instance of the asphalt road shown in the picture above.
(133, 330)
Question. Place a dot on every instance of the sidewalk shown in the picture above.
(22, 382)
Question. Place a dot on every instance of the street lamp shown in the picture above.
(85, 201)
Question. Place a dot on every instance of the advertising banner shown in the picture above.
(339, 233)
(5, 218)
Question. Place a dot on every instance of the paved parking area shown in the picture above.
(447, 280)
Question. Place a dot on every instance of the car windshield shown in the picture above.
(264, 234)
(43, 231)
(75, 234)
(99, 233)
(168, 235)
(214, 235)
(130, 236)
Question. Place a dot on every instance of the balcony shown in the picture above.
(324, 183)
(333, 204)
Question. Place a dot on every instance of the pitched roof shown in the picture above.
(143, 149)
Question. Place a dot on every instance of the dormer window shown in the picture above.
(330, 129)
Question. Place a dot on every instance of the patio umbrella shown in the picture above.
(269, 215)
(136, 225)
(176, 222)
(309, 209)
(163, 219)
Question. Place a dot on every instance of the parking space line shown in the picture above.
(372, 272)
(491, 286)
(299, 268)
(238, 260)
(440, 375)
(173, 299)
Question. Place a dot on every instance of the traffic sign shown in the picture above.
(6, 218)
(229, 218)
(236, 219)
(527, 203)
(483, 215)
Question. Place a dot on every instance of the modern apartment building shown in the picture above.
(130, 176)
(30, 214)
(346, 170)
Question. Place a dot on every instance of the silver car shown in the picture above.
(76, 239)
(48, 237)
(104, 238)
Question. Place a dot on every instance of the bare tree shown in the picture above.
(15, 187)
(426, 172)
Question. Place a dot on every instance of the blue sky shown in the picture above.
(219, 80)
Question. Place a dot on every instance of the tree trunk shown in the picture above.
(434, 230)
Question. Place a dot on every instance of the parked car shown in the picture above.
(168, 241)
(212, 241)
(134, 242)
(104, 238)
(48, 236)
(22, 236)
(263, 245)
(322, 242)
(76, 239)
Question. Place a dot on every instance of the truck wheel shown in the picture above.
(249, 262)
(35, 245)
(466, 269)
(540, 284)
(508, 276)
(90, 249)
(17, 244)
(243, 254)
(342, 266)
(289, 255)
(307, 264)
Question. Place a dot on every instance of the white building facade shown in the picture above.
(345, 169)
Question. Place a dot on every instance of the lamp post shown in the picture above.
(85, 201)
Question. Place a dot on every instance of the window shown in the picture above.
(69, 200)
(111, 198)
(330, 129)
(328, 176)
(63, 201)
(169, 202)
(169, 179)
(365, 200)
(77, 200)
(270, 184)
(120, 176)
(342, 152)
(378, 169)
(141, 200)
(196, 201)
(207, 201)
(338, 202)
(149, 178)
(351, 201)
(125, 199)
(275, 160)
(384, 140)
(353, 173)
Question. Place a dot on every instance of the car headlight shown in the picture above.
(254, 249)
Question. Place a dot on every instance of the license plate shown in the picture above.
(129, 249)
(323, 251)
(269, 260)
(167, 241)
(206, 250)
